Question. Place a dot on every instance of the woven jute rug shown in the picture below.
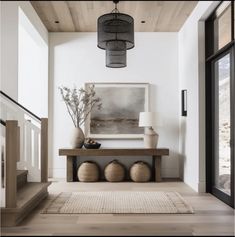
(118, 202)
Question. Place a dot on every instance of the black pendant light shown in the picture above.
(115, 35)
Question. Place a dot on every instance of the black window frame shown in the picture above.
(211, 57)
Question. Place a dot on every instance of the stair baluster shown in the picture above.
(12, 156)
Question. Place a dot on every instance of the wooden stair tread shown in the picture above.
(22, 176)
(27, 194)
(21, 173)
(28, 197)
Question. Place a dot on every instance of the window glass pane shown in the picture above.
(223, 124)
(222, 26)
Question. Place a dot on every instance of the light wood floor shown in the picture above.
(212, 217)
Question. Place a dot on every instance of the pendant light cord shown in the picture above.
(115, 10)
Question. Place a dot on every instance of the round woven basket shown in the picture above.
(88, 171)
(140, 172)
(114, 171)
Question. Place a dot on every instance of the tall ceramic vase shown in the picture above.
(77, 138)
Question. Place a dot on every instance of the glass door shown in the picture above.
(220, 101)
(222, 158)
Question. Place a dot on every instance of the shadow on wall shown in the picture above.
(70, 38)
(182, 157)
(153, 92)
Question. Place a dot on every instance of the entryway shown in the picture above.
(220, 88)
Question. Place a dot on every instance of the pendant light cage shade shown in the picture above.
(115, 35)
(115, 26)
(116, 54)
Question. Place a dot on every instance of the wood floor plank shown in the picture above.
(212, 217)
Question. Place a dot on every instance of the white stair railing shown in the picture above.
(30, 152)
(33, 146)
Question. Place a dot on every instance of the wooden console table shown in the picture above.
(72, 154)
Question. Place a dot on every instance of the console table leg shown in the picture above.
(158, 175)
(70, 168)
(153, 169)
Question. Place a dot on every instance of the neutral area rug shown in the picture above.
(118, 202)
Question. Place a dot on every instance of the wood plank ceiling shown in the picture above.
(81, 16)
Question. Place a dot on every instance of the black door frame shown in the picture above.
(210, 113)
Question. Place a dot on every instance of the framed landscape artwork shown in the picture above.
(119, 116)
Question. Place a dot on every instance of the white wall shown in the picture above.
(75, 59)
(192, 78)
(9, 41)
(32, 68)
(168, 61)
(9, 48)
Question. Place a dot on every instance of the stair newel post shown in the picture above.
(44, 150)
(12, 156)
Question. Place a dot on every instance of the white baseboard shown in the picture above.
(202, 187)
(192, 185)
(57, 173)
(199, 187)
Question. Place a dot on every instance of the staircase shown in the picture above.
(21, 196)
(29, 195)
(21, 176)
(24, 160)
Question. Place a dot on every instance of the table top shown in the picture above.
(114, 152)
